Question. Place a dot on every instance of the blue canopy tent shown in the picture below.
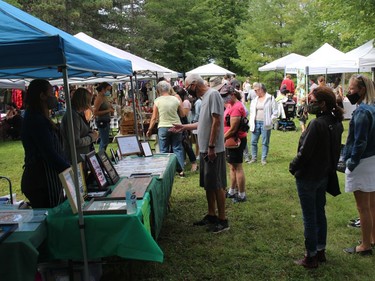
(31, 48)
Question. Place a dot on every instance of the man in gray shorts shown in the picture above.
(212, 152)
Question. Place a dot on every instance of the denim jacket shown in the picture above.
(361, 138)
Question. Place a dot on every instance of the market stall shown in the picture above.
(131, 236)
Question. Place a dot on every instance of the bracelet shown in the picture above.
(211, 146)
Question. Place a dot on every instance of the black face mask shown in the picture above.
(313, 108)
(192, 92)
(353, 98)
(51, 102)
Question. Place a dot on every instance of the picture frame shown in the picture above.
(6, 230)
(128, 145)
(67, 180)
(96, 170)
(82, 179)
(119, 156)
(105, 206)
(114, 155)
(106, 164)
(146, 148)
(138, 184)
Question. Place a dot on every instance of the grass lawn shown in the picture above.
(266, 232)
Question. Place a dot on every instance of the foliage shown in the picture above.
(240, 35)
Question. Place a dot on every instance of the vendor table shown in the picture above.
(128, 236)
(19, 254)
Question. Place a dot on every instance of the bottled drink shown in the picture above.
(131, 200)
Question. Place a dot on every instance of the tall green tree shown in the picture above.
(269, 34)
(181, 36)
(68, 15)
(346, 24)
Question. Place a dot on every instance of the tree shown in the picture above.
(267, 35)
(180, 38)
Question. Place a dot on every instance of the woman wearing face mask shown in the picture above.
(44, 158)
(102, 111)
(317, 155)
(234, 110)
(83, 135)
(359, 154)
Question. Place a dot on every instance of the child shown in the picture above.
(302, 114)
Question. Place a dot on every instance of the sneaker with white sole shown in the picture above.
(228, 195)
(239, 199)
(252, 161)
(221, 225)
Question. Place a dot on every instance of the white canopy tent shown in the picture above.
(280, 63)
(9, 84)
(210, 69)
(322, 61)
(364, 55)
(141, 67)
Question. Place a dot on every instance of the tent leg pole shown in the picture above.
(134, 107)
(73, 154)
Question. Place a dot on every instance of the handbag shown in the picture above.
(333, 186)
(232, 142)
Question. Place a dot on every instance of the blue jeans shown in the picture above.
(104, 137)
(312, 196)
(259, 130)
(171, 142)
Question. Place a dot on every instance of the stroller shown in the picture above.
(287, 123)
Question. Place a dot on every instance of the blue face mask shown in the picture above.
(107, 94)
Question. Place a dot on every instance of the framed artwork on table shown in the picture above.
(67, 180)
(6, 230)
(119, 156)
(106, 164)
(114, 155)
(146, 148)
(105, 206)
(138, 184)
(97, 170)
(128, 145)
(82, 179)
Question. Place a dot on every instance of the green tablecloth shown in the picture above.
(126, 236)
(19, 254)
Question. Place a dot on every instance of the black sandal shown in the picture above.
(353, 250)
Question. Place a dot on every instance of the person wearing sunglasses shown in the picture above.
(317, 156)
(359, 155)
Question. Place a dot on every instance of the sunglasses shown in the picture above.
(360, 79)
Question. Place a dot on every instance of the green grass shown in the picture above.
(266, 232)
